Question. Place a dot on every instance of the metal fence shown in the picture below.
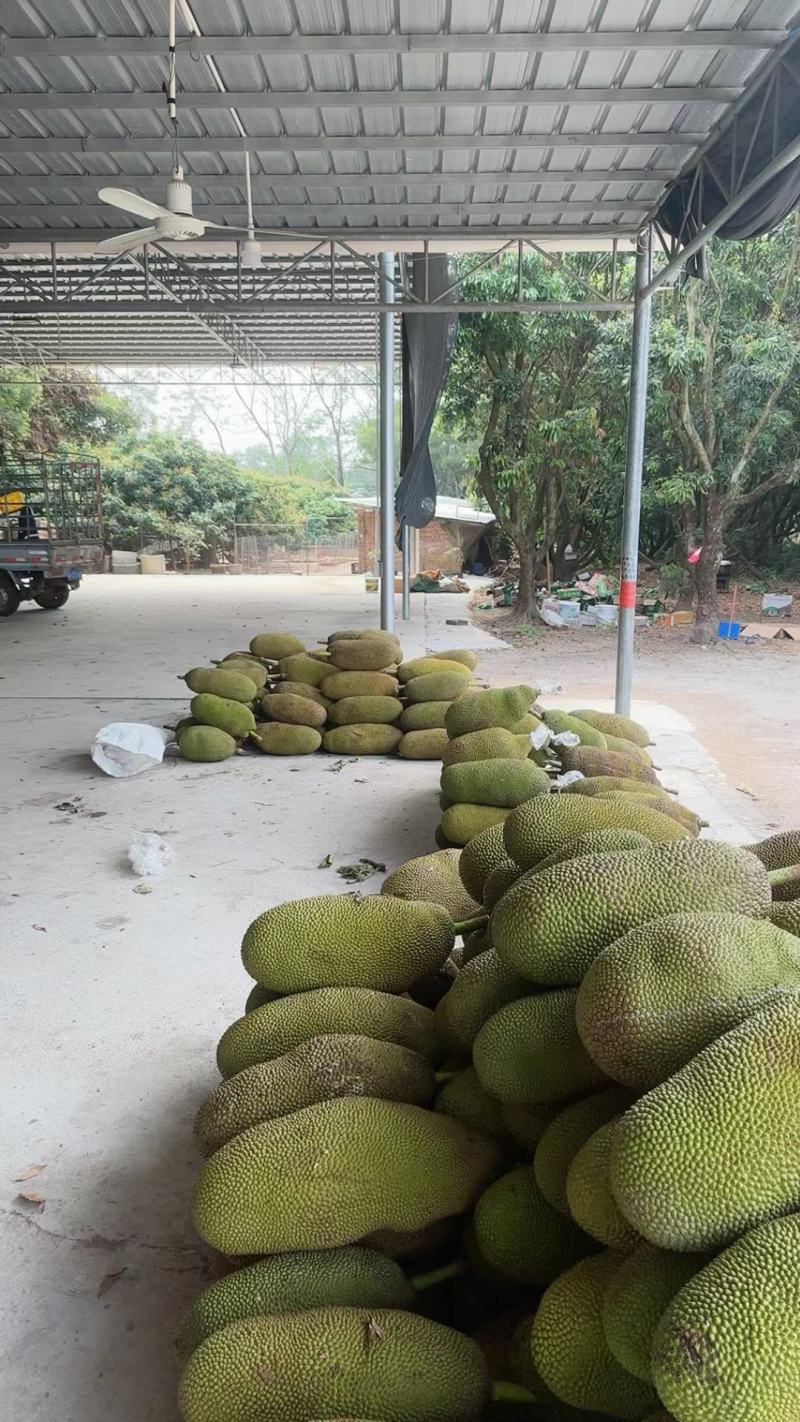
(271, 548)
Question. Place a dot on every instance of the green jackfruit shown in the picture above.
(369, 710)
(726, 1347)
(502, 783)
(498, 882)
(661, 801)
(283, 1283)
(424, 716)
(362, 739)
(439, 686)
(640, 1291)
(482, 987)
(591, 761)
(483, 854)
(316, 1070)
(299, 688)
(711, 1152)
(465, 1098)
(322, 1362)
(560, 721)
(527, 1124)
(331, 1173)
(293, 710)
(247, 666)
(603, 784)
(550, 926)
(423, 745)
(415, 1243)
(474, 944)
(530, 1053)
(526, 724)
(618, 743)
(607, 841)
(441, 841)
(338, 685)
(365, 654)
(492, 744)
(304, 668)
(258, 995)
(276, 1027)
(570, 1129)
(569, 1348)
(464, 655)
(780, 851)
(352, 635)
(660, 993)
(548, 823)
(183, 725)
(787, 916)
(280, 738)
(461, 823)
(488, 710)
(206, 743)
(591, 1203)
(231, 716)
(518, 1238)
(275, 646)
(347, 940)
(433, 878)
(428, 666)
(613, 724)
(233, 686)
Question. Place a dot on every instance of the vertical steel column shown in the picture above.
(386, 378)
(405, 547)
(634, 458)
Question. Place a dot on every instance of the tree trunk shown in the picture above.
(704, 575)
(526, 597)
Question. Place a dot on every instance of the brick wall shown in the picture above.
(439, 544)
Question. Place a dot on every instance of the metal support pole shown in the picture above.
(406, 552)
(386, 378)
(634, 459)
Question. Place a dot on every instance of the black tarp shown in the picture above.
(428, 340)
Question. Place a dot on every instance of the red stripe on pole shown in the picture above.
(627, 592)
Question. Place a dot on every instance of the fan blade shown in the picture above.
(224, 226)
(127, 241)
(132, 202)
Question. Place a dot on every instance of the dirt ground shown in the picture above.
(743, 699)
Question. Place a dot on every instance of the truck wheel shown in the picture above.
(52, 596)
(9, 596)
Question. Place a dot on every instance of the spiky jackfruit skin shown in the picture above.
(603, 784)
(569, 1349)
(570, 1129)
(317, 1070)
(483, 854)
(233, 686)
(711, 1152)
(660, 993)
(231, 716)
(275, 646)
(365, 654)
(434, 879)
(488, 710)
(276, 1027)
(530, 1053)
(527, 1124)
(551, 926)
(362, 739)
(780, 851)
(336, 1171)
(593, 842)
(611, 723)
(640, 1291)
(283, 1283)
(280, 738)
(415, 1243)
(258, 995)
(424, 716)
(339, 684)
(293, 710)
(483, 986)
(474, 944)
(247, 666)
(465, 1098)
(502, 783)
(498, 882)
(618, 743)
(430, 666)
(304, 668)
(347, 940)
(518, 1238)
(560, 721)
(365, 710)
(660, 801)
(464, 655)
(423, 745)
(727, 1345)
(326, 1362)
(205, 743)
(438, 686)
(591, 761)
(544, 825)
(492, 744)
(526, 724)
(591, 1203)
(787, 916)
(299, 688)
(461, 823)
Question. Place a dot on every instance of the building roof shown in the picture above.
(448, 510)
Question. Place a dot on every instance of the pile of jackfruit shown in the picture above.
(515, 1138)
(354, 697)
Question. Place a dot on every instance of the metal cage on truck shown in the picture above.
(51, 528)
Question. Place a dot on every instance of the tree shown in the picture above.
(20, 393)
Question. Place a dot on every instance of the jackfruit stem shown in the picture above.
(470, 925)
(789, 875)
(421, 1282)
(511, 1392)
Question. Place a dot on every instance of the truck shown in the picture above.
(51, 528)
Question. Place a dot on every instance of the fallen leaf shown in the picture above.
(39, 927)
(31, 1197)
(143, 889)
(108, 1281)
(30, 1173)
(364, 869)
(326, 862)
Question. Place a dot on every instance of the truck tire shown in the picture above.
(52, 596)
(9, 596)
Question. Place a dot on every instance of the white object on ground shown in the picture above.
(539, 737)
(149, 854)
(570, 777)
(126, 748)
(566, 738)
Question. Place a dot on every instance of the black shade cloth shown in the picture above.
(428, 340)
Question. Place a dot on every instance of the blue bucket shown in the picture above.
(729, 631)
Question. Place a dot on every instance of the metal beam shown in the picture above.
(64, 237)
(386, 435)
(20, 185)
(72, 144)
(634, 463)
(270, 217)
(109, 306)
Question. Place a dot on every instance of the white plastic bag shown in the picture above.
(126, 748)
(148, 853)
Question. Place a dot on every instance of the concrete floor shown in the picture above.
(114, 1000)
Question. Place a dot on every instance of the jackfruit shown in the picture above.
(333, 1172)
(640, 1291)
(369, 710)
(780, 851)
(560, 721)
(591, 1203)
(206, 743)
(603, 784)
(231, 716)
(489, 710)
(616, 725)
(365, 654)
(502, 783)
(662, 802)
(299, 688)
(316, 1070)
(727, 1345)
(347, 940)
(549, 822)
(258, 995)
(660, 993)
(569, 1349)
(474, 944)
(461, 823)
(492, 744)
(593, 842)
(247, 666)
(433, 878)
(424, 716)
(464, 655)
(439, 686)
(527, 1124)
(283, 1283)
(183, 725)
(293, 710)
(277, 1027)
(569, 1130)
(787, 916)
(414, 1243)
(550, 926)
(323, 1362)
(441, 841)
(428, 666)
(591, 762)
(279, 738)
(525, 725)
(518, 1238)
(423, 745)
(275, 646)
(362, 739)
(482, 987)
(338, 685)
(304, 668)
(530, 1053)
(498, 882)
(233, 686)
(618, 743)
(485, 852)
(465, 1098)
